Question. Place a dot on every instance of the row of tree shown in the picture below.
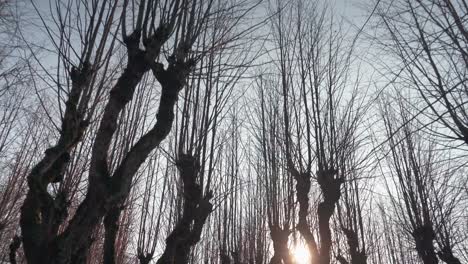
(240, 131)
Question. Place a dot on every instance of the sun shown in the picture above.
(300, 254)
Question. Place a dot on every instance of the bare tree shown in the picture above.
(422, 186)
(279, 188)
(319, 128)
(171, 131)
(351, 217)
(429, 38)
(156, 30)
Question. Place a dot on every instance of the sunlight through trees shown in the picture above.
(233, 131)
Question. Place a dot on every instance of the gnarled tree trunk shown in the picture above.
(196, 209)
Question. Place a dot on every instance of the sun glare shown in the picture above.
(301, 254)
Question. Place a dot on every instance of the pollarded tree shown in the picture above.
(204, 164)
(160, 38)
(351, 216)
(271, 169)
(424, 187)
(429, 40)
(322, 113)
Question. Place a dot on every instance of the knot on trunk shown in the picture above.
(161, 34)
(424, 236)
(174, 78)
(279, 236)
(61, 204)
(205, 205)
(303, 183)
(188, 166)
(132, 41)
(187, 162)
(81, 75)
(330, 185)
(424, 233)
(57, 170)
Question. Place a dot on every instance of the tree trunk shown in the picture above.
(111, 229)
(357, 256)
(424, 238)
(41, 213)
(302, 193)
(280, 239)
(330, 187)
(196, 210)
